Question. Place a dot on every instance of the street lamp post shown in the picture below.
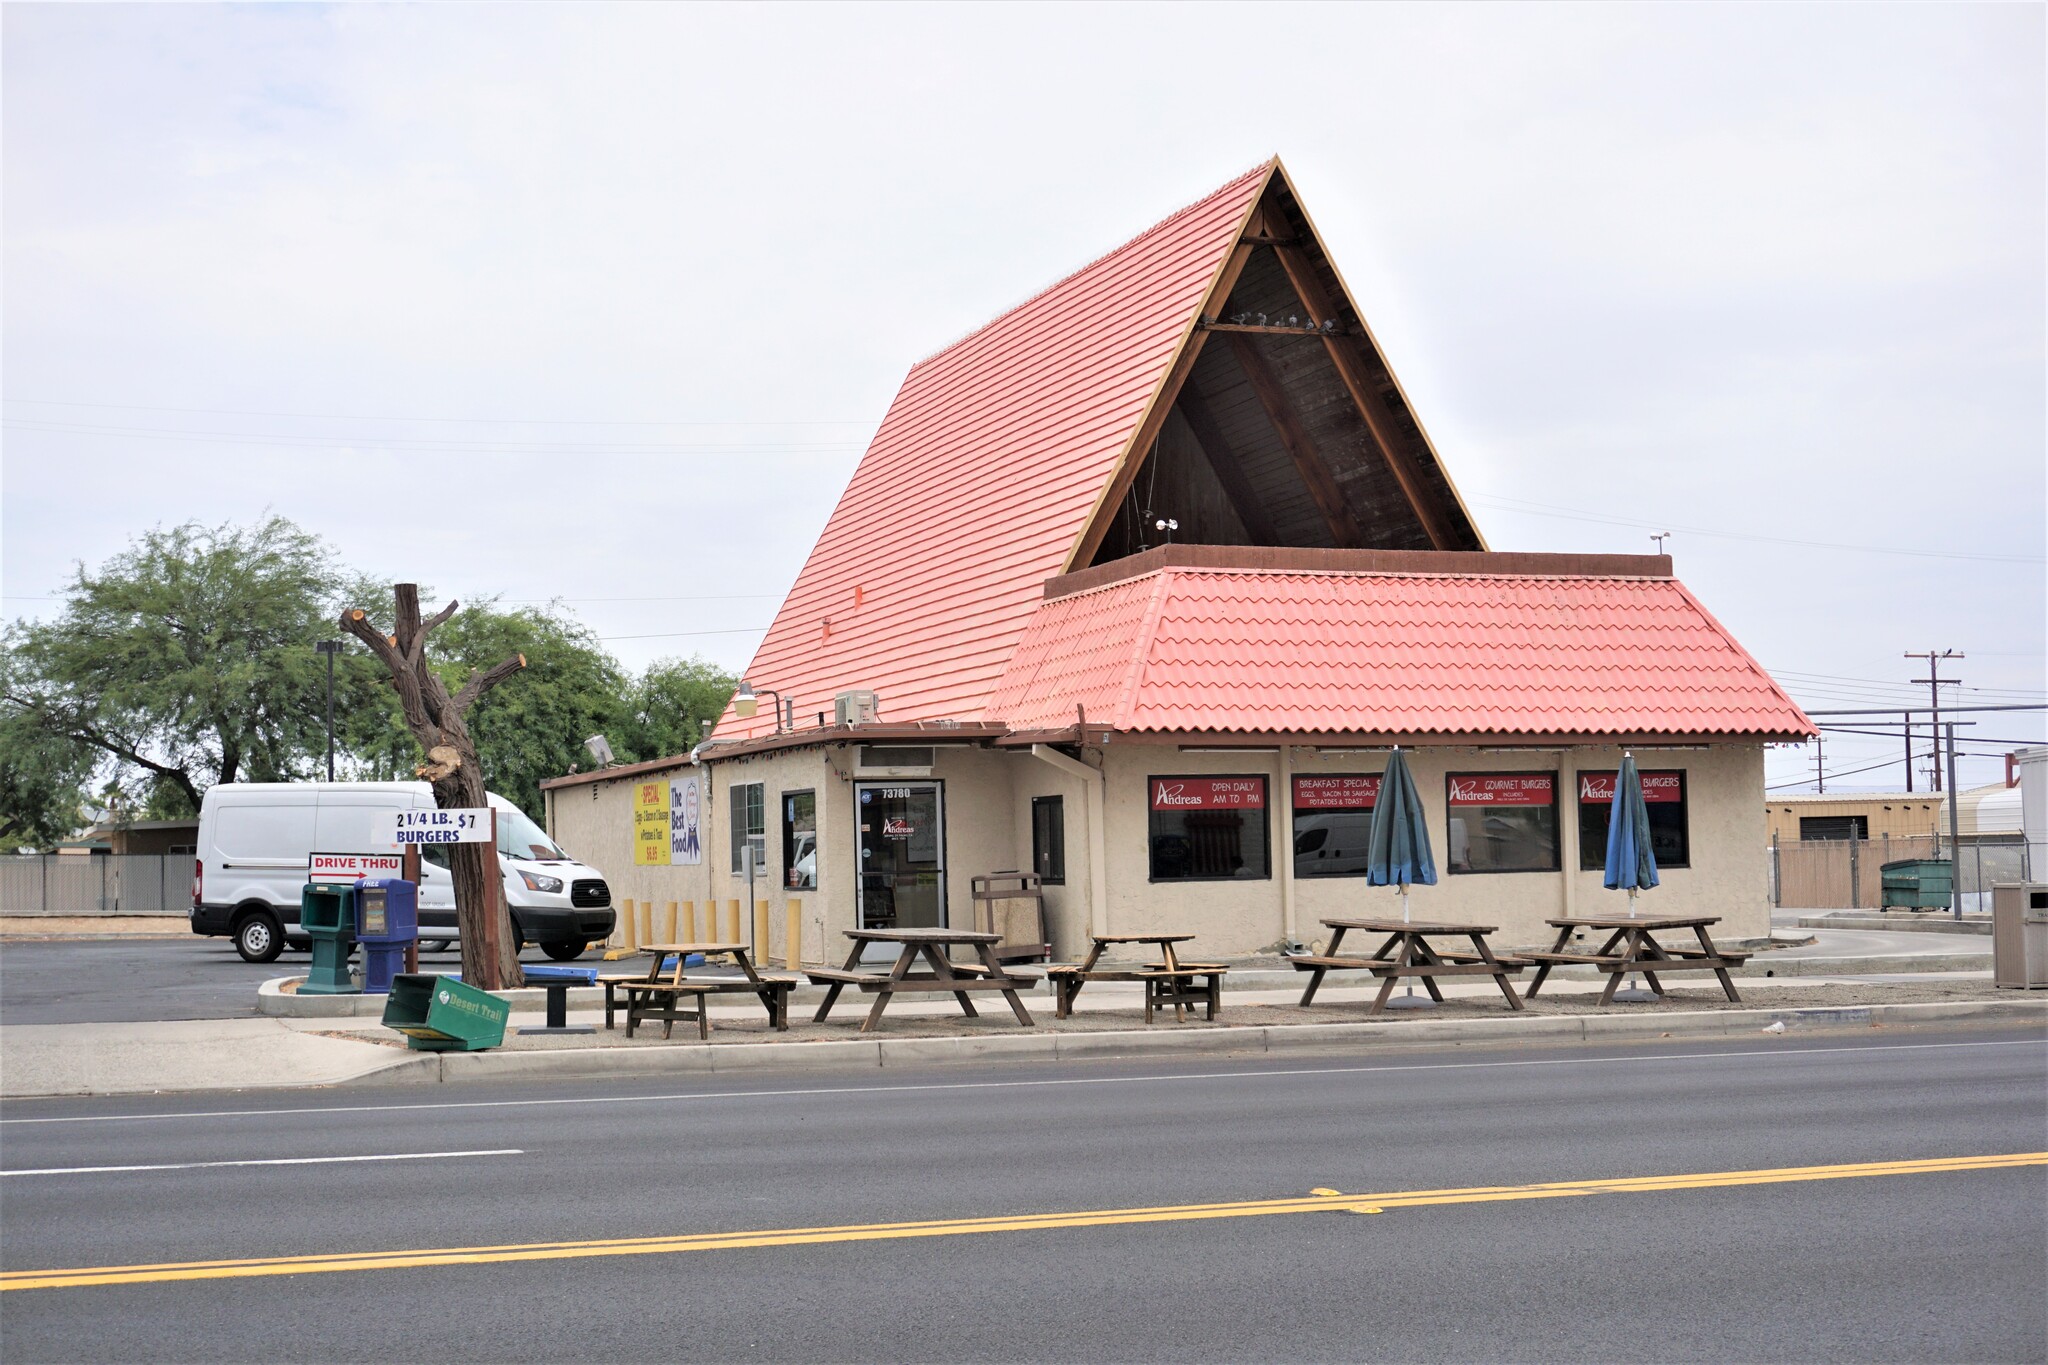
(330, 648)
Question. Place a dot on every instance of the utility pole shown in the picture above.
(1909, 752)
(330, 648)
(1820, 773)
(1934, 680)
(1955, 860)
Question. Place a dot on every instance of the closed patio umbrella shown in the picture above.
(1631, 863)
(1397, 850)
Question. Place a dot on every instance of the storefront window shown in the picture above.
(1333, 823)
(1209, 829)
(1502, 822)
(1663, 798)
(749, 827)
(800, 841)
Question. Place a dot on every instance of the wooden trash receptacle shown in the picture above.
(1013, 904)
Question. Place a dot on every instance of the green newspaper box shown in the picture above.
(441, 1014)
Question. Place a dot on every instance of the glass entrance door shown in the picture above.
(902, 855)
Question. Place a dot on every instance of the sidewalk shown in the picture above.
(32, 927)
(272, 1053)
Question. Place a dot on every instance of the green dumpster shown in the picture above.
(441, 1014)
(1918, 884)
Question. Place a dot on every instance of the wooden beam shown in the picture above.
(1309, 329)
(1202, 423)
(1308, 461)
(1140, 448)
(1379, 419)
(1263, 238)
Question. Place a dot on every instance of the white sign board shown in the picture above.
(346, 867)
(456, 826)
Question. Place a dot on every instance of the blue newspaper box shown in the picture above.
(387, 919)
(327, 915)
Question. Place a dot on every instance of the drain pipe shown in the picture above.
(1094, 791)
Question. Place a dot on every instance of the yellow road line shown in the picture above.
(1321, 1202)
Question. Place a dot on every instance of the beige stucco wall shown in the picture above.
(988, 796)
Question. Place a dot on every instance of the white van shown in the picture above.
(254, 838)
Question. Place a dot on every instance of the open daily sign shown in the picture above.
(457, 826)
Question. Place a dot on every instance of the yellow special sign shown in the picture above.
(650, 825)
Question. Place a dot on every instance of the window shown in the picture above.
(897, 756)
(1834, 827)
(800, 841)
(749, 827)
(1208, 829)
(1502, 822)
(1333, 823)
(1663, 797)
(1049, 839)
(519, 837)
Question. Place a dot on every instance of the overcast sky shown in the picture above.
(602, 303)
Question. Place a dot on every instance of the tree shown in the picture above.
(490, 954)
(670, 708)
(185, 660)
(569, 690)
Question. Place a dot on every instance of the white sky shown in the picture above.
(602, 303)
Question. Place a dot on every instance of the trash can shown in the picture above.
(1918, 884)
(387, 919)
(327, 914)
(2019, 935)
(441, 1014)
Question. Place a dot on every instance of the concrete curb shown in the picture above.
(685, 1059)
(1930, 923)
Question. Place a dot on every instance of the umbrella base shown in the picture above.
(1636, 995)
(1411, 1002)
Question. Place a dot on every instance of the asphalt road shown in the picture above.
(110, 981)
(1944, 1265)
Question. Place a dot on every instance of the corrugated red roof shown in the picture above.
(982, 476)
(1271, 652)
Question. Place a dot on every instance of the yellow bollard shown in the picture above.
(761, 944)
(732, 921)
(688, 923)
(631, 945)
(668, 925)
(793, 937)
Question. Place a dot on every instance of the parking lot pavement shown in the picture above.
(109, 981)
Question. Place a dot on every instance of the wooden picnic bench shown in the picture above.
(1408, 953)
(945, 976)
(1167, 982)
(771, 991)
(1632, 946)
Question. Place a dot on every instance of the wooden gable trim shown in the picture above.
(1096, 528)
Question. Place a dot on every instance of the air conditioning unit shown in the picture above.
(860, 707)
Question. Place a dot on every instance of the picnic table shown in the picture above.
(1408, 953)
(1167, 982)
(655, 995)
(945, 977)
(1632, 946)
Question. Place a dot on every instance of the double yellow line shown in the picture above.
(1322, 1201)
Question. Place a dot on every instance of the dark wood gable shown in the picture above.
(1280, 422)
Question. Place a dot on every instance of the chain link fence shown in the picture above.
(95, 884)
(1847, 874)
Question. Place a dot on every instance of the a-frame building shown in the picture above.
(1173, 521)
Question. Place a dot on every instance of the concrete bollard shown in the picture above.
(761, 944)
(668, 925)
(793, 939)
(732, 921)
(632, 927)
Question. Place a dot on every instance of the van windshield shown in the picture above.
(519, 837)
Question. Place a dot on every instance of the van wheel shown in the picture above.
(259, 938)
(564, 951)
(436, 945)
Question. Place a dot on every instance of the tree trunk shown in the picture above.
(490, 952)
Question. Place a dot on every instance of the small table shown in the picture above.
(1407, 952)
(1632, 946)
(1167, 982)
(945, 976)
(773, 991)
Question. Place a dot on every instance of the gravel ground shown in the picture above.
(996, 1019)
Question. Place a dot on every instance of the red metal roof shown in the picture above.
(982, 476)
(1277, 652)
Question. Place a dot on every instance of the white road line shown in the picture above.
(272, 1161)
(1271, 1073)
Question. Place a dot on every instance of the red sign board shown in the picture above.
(1337, 793)
(1597, 789)
(1504, 789)
(1208, 793)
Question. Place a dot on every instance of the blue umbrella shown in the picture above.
(1397, 851)
(1631, 864)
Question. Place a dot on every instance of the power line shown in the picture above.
(502, 421)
